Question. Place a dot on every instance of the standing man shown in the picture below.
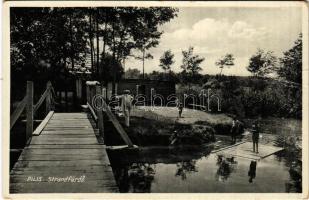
(255, 137)
(126, 106)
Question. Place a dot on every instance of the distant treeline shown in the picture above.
(252, 96)
(274, 89)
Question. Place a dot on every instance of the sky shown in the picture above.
(214, 32)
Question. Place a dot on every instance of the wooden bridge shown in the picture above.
(63, 154)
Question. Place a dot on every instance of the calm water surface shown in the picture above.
(175, 170)
(163, 169)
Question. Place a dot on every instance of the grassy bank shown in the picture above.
(221, 123)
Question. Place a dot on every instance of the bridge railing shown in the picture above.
(97, 114)
(94, 89)
(27, 104)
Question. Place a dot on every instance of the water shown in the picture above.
(188, 169)
(177, 170)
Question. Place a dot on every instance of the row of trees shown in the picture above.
(257, 95)
(261, 64)
(191, 63)
(288, 67)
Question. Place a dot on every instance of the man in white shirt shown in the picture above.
(126, 106)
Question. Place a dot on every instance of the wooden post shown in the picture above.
(48, 97)
(92, 90)
(100, 113)
(29, 126)
(88, 94)
(104, 93)
(66, 97)
(78, 90)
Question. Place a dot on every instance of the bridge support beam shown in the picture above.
(100, 113)
(29, 126)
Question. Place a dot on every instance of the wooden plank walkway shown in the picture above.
(64, 158)
(244, 150)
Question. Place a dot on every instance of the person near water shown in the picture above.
(127, 106)
(234, 130)
(255, 137)
(252, 171)
(180, 108)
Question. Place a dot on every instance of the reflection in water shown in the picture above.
(167, 170)
(185, 167)
(292, 156)
(226, 167)
(252, 171)
(136, 177)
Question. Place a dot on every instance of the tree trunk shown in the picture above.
(105, 36)
(91, 42)
(114, 70)
(143, 63)
(71, 38)
(98, 46)
(221, 71)
(124, 67)
(104, 44)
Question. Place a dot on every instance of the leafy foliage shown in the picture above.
(190, 62)
(190, 65)
(132, 74)
(291, 63)
(262, 63)
(227, 60)
(166, 60)
(48, 41)
(112, 69)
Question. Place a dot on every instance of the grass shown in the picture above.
(189, 116)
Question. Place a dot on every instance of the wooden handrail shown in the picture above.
(27, 103)
(117, 125)
(41, 100)
(92, 112)
(17, 112)
(98, 115)
(42, 125)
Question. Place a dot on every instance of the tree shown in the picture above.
(132, 73)
(226, 61)
(166, 60)
(190, 62)
(291, 63)
(146, 31)
(190, 65)
(55, 36)
(262, 63)
(112, 69)
(142, 58)
(133, 28)
(64, 37)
